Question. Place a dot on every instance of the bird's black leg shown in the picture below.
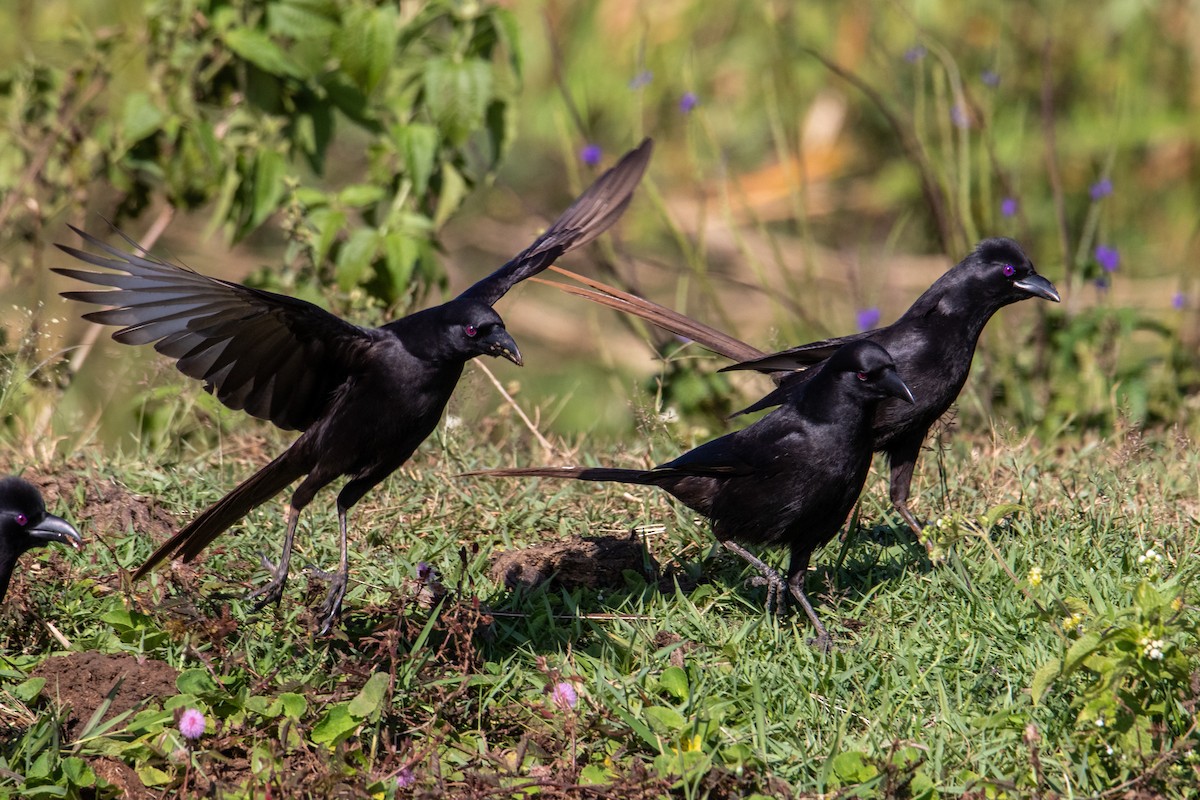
(903, 460)
(331, 609)
(797, 571)
(272, 591)
(773, 580)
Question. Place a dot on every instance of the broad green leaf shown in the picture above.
(303, 19)
(196, 681)
(269, 172)
(355, 257)
(327, 223)
(1042, 679)
(337, 724)
(261, 51)
(594, 774)
(458, 93)
(294, 705)
(140, 117)
(153, 776)
(420, 145)
(400, 254)
(360, 194)
(454, 189)
(27, 691)
(999, 512)
(674, 681)
(1080, 649)
(1146, 597)
(366, 44)
(853, 767)
(77, 772)
(368, 703)
(665, 720)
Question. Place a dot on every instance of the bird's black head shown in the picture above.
(24, 524)
(996, 273)
(475, 329)
(868, 371)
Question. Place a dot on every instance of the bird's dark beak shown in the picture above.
(56, 529)
(891, 383)
(1038, 286)
(499, 343)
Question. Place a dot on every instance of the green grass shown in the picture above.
(686, 688)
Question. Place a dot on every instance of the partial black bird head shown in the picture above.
(995, 274)
(470, 328)
(868, 370)
(24, 524)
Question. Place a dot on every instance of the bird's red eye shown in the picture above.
(862, 376)
(1009, 270)
(22, 520)
(470, 330)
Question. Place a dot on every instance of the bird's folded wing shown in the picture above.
(722, 457)
(276, 357)
(800, 357)
(592, 213)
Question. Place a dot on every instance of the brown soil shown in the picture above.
(101, 506)
(81, 682)
(593, 562)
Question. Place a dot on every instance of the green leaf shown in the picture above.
(400, 254)
(368, 703)
(261, 51)
(196, 681)
(1146, 597)
(360, 194)
(458, 93)
(594, 775)
(269, 171)
(153, 776)
(355, 257)
(1042, 679)
(999, 512)
(303, 19)
(853, 767)
(336, 726)
(454, 189)
(140, 117)
(366, 44)
(665, 720)
(674, 681)
(1080, 649)
(28, 690)
(420, 145)
(327, 223)
(294, 705)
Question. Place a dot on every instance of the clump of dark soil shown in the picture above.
(82, 681)
(101, 506)
(592, 562)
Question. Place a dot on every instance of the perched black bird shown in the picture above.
(789, 479)
(24, 525)
(365, 398)
(933, 344)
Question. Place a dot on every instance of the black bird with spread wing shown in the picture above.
(24, 525)
(790, 479)
(933, 344)
(364, 398)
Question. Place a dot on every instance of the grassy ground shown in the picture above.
(684, 686)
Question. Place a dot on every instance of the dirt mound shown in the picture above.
(592, 562)
(102, 506)
(81, 681)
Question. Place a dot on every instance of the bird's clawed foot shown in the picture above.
(272, 591)
(776, 591)
(822, 642)
(331, 609)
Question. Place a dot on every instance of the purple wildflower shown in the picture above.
(1101, 189)
(915, 53)
(424, 571)
(405, 778)
(1009, 206)
(867, 318)
(1108, 258)
(688, 102)
(1179, 301)
(960, 117)
(191, 724)
(591, 154)
(642, 79)
(990, 78)
(564, 696)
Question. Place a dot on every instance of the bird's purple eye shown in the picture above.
(862, 376)
(470, 330)
(22, 520)
(1009, 270)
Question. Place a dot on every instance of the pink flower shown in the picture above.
(564, 696)
(191, 724)
(405, 778)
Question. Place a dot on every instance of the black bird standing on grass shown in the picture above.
(24, 525)
(365, 398)
(933, 344)
(790, 479)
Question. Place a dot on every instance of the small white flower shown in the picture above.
(1151, 556)
(1153, 649)
(1100, 721)
(453, 422)
(1109, 749)
(669, 415)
